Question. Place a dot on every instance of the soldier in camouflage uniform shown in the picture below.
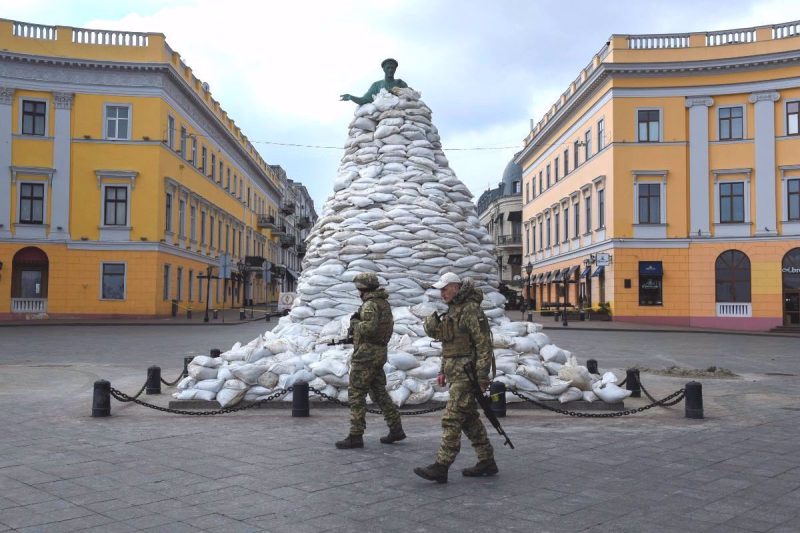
(466, 338)
(371, 328)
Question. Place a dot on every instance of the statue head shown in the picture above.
(389, 66)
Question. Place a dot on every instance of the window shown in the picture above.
(166, 282)
(556, 169)
(566, 224)
(566, 161)
(556, 227)
(203, 157)
(182, 219)
(541, 233)
(227, 238)
(650, 283)
(575, 147)
(228, 180)
(649, 203)
(213, 166)
(241, 188)
(211, 232)
(601, 134)
(192, 223)
(792, 118)
(548, 176)
(515, 187)
(118, 122)
(793, 199)
(220, 172)
(527, 192)
(527, 236)
(203, 228)
(191, 285)
(587, 200)
(540, 182)
(194, 150)
(183, 142)
(34, 117)
(533, 239)
(587, 145)
(649, 125)
(601, 208)
(171, 131)
(577, 223)
(115, 212)
(731, 123)
(113, 284)
(168, 214)
(179, 284)
(219, 235)
(548, 232)
(731, 202)
(732, 273)
(31, 203)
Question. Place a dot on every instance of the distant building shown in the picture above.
(500, 212)
(665, 181)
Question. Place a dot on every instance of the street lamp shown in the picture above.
(529, 271)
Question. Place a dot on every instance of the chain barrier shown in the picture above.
(677, 396)
(174, 382)
(122, 397)
(337, 401)
(130, 398)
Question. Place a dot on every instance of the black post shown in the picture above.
(101, 400)
(174, 307)
(215, 352)
(189, 313)
(694, 399)
(208, 291)
(242, 315)
(632, 382)
(153, 385)
(186, 361)
(300, 399)
(497, 395)
(216, 314)
(591, 366)
(566, 301)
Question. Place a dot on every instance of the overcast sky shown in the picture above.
(485, 68)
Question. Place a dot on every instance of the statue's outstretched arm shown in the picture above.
(373, 90)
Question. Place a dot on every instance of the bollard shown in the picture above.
(216, 313)
(632, 382)
(215, 352)
(189, 313)
(266, 315)
(582, 315)
(556, 316)
(694, 400)
(241, 314)
(591, 366)
(186, 361)
(153, 385)
(300, 399)
(101, 400)
(497, 395)
(564, 318)
(530, 317)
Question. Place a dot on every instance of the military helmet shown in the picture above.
(366, 281)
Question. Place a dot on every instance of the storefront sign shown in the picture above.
(790, 270)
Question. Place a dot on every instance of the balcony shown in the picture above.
(287, 241)
(29, 305)
(730, 309)
(287, 208)
(301, 249)
(509, 240)
(303, 222)
(254, 261)
(278, 271)
(279, 230)
(266, 221)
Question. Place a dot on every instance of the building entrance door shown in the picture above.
(791, 308)
(791, 287)
(30, 284)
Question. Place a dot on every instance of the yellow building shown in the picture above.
(124, 180)
(665, 182)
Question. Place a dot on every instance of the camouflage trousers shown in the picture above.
(461, 414)
(367, 377)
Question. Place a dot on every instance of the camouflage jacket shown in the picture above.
(372, 327)
(464, 333)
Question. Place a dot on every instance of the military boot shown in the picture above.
(435, 472)
(351, 441)
(486, 467)
(395, 434)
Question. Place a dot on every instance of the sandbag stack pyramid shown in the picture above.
(397, 210)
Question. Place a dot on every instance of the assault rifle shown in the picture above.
(337, 342)
(483, 401)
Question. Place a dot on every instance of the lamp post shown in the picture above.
(529, 271)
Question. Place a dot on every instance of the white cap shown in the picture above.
(446, 279)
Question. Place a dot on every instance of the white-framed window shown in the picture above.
(566, 222)
(168, 213)
(547, 222)
(548, 176)
(117, 121)
(221, 173)
(793, 117)
(33, 116)
(648, 125)
(587, 144)
(179, 284)
(193, 223)
(182, 218)
(211, 232)
(556, 169)
(730, 123)
(576, 161)
(194, 150)
(213, 166)
(731, 202)
(112, 282)
(601, 134)
(32, 202)
(116, 205)
(793, 200)
(191, 285)
(587, 204)
(165, 282)
(184, 136)
(566, 161)
(576, 212)
(202, 228)
(203, 158)
(228, 180)
(601, 208)
(515, 186)
(171, 131)
(649, 204)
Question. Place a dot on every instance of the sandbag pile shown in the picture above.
(399, 211)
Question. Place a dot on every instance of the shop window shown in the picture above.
(118, 122)
(34, 117)
(31, 203)
(651, 277)
(113, 284)
(732, 274)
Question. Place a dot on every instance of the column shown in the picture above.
(766, 217)
(6, 129)
(59, 221)
(698, 165)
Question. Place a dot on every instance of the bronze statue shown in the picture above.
(389, 67)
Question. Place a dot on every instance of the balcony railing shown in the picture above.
(509, 240)
(266, 221)
(301, 248)
(645, 42)
(34, 31)
(287, 240)
(254, 261)
(303, 222)
(28, 305)
(730, 309)
(287, 208)
(278, 271)
(279, 230)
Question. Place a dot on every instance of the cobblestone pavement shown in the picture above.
(262, 470)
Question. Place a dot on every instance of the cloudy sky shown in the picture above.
(484, 67)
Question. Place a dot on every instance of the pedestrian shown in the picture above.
(371, 328)
(523, 307)
(466, 339)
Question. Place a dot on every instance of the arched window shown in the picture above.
(733, 277)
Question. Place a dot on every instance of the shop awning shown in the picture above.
(295, 275)
(515, 216)
(515, 259)
(571, 271)
(556, 275)
(546, 277)
(599, 270)
(586, 272)
(650, 268)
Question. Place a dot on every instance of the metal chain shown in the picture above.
(122, 397)
(677, 395)
(131, 398)
(175, 382)
(376, 411)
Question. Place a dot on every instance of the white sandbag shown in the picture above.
(553, 354)
(540, 339)
(228, 397)
(579, 375)
(186, 383)
(525, 344)
(282, 367)
(515, 329)
(394, 379)
(442, 396)
(424, 393)
(336, 381)
(610, 392)
(502, 341)
(268, 380)
(278, 345)
(249, 373)
(403, 360)
(328, 390)
(214, 385)
(425, 371)
(553, 368)
(260, 352)
(555, 387)
(589, 396)
(522, 383)
(202, 372)
(572, 394)
(508, 365)
(608, 377)
(536, 373)
(204, 360)
(225, 373)
(195, 394)
(329, 366)
(399, 395)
